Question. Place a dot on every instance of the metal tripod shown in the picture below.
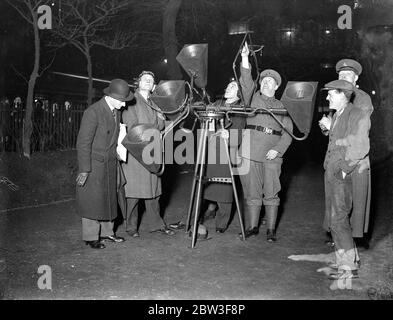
(199, 179)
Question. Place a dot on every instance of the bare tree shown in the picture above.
(85, 24)
(28, 11)
(169, 37)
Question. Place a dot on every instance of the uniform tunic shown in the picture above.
(262, 181)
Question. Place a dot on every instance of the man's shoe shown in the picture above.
(95, 244)
(177, 226)
(250, 232)
(220, 230)
(165, 231)
(344, 274)
(271, 235)
(200, 236)
(133, 233)
(113, 239)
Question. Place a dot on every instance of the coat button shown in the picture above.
(108, 132)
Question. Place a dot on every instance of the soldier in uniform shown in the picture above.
(339, 173)
(262, 149)
(350, 70)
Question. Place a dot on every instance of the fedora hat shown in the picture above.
(118, 89)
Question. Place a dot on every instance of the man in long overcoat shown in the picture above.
(141, 184)
(96, 191)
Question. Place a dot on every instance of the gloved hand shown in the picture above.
(271, 154)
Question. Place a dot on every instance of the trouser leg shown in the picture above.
(252, 184)
(341, 200)
(271, 183)
(223, 214)
(106, 228)
(153, 210)
(90, 229)
(132, 214)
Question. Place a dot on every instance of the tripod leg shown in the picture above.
(199, 190)
(195, 179)
(234, 189)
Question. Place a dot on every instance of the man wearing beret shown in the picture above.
(339, 171)
(96, 191)
(357, 151)
(263, 146)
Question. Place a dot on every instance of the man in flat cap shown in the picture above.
(339, 171)
(263, 146)
(96, 191)
(350, 70)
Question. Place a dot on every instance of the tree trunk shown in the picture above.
(90, 80)
(89, 72)
(169, 38)
(28, 124)
(3, 56)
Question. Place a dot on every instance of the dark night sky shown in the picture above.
(296, 57)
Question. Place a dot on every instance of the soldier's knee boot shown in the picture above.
(271, 218)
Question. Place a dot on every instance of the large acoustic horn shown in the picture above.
(137, 138)
(169, 95)
(193, 59)
(299, 99)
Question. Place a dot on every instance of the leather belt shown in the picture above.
(264, 129)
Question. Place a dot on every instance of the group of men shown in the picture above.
(103, 183)
(264, 143)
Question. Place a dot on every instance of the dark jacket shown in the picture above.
(217, 160)
(96, 149)
(348, 124)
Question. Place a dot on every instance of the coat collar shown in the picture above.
(266, 98)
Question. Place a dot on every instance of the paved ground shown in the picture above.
(161, 267)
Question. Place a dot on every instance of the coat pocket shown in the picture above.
(98, 157)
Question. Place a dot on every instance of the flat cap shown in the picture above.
(349, 64)
(339, 84)
(271, 73)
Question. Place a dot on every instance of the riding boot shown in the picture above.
(271, 217)
(251, 215)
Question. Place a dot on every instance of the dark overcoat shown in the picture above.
(361, 185)
(96, 148)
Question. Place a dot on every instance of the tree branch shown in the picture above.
(48, 66)
(19, 74)
(20, 11)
